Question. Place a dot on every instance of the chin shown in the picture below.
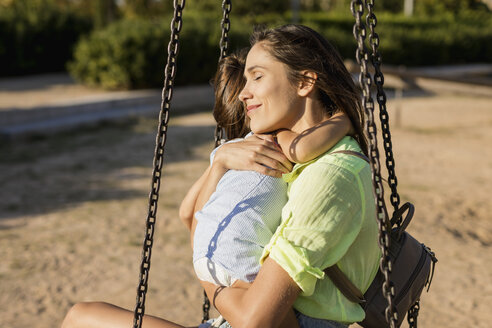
(261, 127)
(259, 130)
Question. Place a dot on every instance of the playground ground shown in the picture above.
(73, 205)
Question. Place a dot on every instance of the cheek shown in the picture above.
(262, 92)
(284, 100)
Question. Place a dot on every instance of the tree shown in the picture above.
(242, 7)
(436, 7)
(104, 12)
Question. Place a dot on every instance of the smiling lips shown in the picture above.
(251, 108)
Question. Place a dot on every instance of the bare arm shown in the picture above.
(267, 303)
(214, 174)
(188, 205)
(251, 154)
(254, 154)
(313, 142)
(211, 179)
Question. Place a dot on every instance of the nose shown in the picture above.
(245, 94)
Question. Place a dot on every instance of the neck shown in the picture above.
(312, 114)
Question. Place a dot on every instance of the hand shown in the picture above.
(257, 153)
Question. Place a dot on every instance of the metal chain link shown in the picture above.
(219, 131)
(359, 30)
(224, 47)
(413, 314)
(218, 134)
(371, 22)
(167, 92)
(226, 26)
(206, 307)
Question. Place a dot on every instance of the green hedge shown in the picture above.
(131, 54)
(38, 40)
(416, 41)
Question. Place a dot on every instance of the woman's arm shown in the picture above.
(265, 304)
(210, 181)
(214, 174)
(254, 154)
(188, 205)
(313, 142)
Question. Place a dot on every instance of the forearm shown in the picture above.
(199, 194)
(265, 304)
(253, 154)
(186, 210)
(187, 207)
(234, 310)
(236, 306)
(241, 308)
(215, 173)
(313, 142)
(208, 187)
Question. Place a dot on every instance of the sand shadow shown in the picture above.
(93, 164)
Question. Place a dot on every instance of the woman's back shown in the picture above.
(237, 222)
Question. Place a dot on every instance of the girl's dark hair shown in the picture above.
(301, 48)
(229, 111)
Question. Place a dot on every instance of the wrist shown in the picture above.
(218, 164)
(217, 291)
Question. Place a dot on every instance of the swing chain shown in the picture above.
(219, 131)
(224, 47)
(413, 314)
(226, 26)
(359, 30)
(219, 135)
(206, 308)
(371, 22)
(167, 92)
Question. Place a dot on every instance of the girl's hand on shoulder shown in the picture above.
(257, 153)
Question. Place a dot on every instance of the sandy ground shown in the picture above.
(73, 206)
(24, 93)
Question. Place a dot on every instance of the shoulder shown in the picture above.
(331, 164)
(346, 154)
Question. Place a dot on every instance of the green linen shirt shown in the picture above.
(330, 218)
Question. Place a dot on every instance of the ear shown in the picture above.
(306, 86)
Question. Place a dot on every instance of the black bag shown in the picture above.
(412, 269)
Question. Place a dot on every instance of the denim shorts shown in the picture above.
(308, 322)
(303, 320)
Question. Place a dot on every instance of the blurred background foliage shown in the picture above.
(122, 44)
